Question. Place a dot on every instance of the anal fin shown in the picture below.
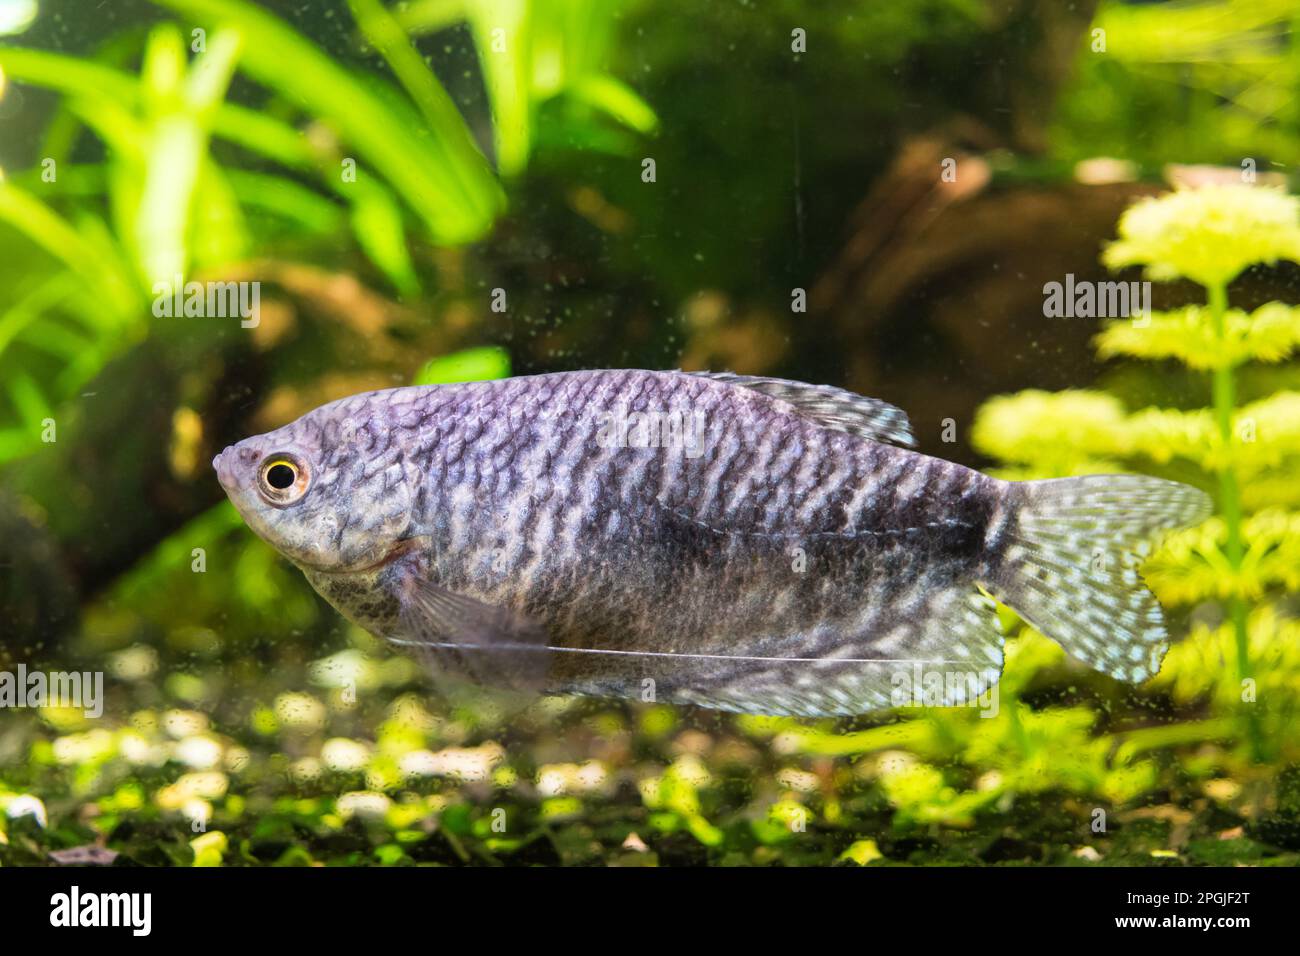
(949, 655)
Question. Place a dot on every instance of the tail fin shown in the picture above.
(1070, 565)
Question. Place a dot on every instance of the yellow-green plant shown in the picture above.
(1248, 553)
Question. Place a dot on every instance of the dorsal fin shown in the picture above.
(835, 408)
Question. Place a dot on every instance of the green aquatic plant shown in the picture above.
(1247, 553)
(192, 183)
(1195, 80)
(543, 66)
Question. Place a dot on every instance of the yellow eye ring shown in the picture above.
(282, 479)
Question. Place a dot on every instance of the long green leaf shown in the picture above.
(102, 272)
(429, 16)
(178, 107)
(285, 198)
(617, 100)
(255, 131)
(27, 398)
(15, 320)
(436, 169)
(377, 225)
(505, 50)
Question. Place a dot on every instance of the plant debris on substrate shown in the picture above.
(362, 770)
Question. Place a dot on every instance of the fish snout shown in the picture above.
(221, 468)
(229, 460)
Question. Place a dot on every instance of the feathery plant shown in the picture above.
(1243, 656)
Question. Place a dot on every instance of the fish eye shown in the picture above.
(281, 475)
(283, 479)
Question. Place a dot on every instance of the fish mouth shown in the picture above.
(222, 468)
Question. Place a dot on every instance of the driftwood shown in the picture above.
(937, 297)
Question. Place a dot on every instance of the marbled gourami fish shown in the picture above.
(742, 543)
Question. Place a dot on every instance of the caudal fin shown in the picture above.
(1070, 565)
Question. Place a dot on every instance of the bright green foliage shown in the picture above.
(441, 175)
(1081, 432)
(1207, 235)
(543, 64)
(1269, 334)
(1052, 434)
(170, 210)
(1192, 668)
(1193, 567)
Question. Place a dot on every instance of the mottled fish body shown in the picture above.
(743, 543)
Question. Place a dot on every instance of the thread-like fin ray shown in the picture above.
(835, 408)
(1071, 565)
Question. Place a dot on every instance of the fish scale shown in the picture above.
(788, 557)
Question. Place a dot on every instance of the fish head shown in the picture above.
(328, 491)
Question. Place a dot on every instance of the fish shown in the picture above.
(741, 543)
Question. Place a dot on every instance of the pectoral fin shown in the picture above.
(462, 638)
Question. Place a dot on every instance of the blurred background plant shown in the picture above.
(382, 169)
(1196, 80)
